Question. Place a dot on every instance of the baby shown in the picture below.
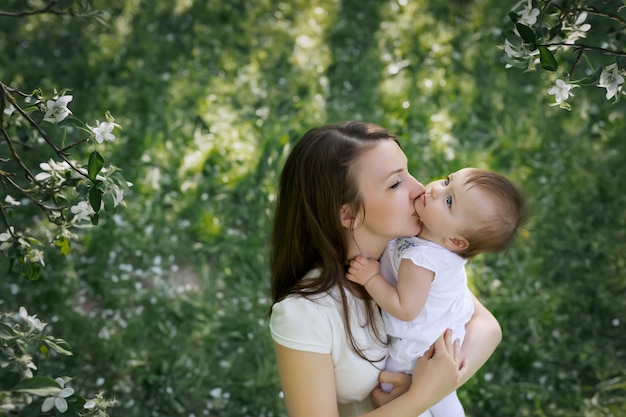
(421, 284)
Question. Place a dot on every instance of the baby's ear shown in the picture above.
(456, 243)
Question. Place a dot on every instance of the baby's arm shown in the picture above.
(404, 301)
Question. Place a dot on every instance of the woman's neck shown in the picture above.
(369, 248)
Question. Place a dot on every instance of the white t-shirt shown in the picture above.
(316, 325)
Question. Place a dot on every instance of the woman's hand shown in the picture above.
(436, 374)
(440, 370)
(400, 381)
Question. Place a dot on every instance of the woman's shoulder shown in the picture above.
(305, 323)
(304, 305)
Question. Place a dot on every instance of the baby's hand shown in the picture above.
(362, 270)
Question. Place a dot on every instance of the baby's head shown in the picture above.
(472, 211)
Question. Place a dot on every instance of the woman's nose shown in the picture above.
(418, 189)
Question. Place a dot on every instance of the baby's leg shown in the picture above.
(448, 407)
(393, 366)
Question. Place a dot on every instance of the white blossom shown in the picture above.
(578, 30)
(11, 201)
(6, 239)
(103, 130)
(612, 80)
(117, 193)
(57, 109)
(32, 320)
(529, 15)
(53, 171)
(9, 110)
(561, 91)
(35, 256)
(58, 401)
(27, 361)
(82, 211)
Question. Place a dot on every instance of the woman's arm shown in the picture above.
(309, 387)
(482, 335)
(308, 382)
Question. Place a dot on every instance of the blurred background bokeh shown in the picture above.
(165, 304)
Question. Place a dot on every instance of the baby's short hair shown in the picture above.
(497, 230)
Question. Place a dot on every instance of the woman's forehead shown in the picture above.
(382, 161)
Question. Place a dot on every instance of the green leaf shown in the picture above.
(95, 198)
(64, 245)
(514, 17)
(59, 346)
(38, 386)
(32, 410)
(548, 62)
(6, 332)
(109, 203)
(96, 162)
(526, 33)
(8, 380)
(30, 270)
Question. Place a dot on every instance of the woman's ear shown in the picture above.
(456, 243)
(346, 216)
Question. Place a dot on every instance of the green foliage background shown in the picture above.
(165, 306)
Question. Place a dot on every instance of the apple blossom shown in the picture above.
(58, 401)
(103, 130)
(561, 91)
(57, 109)
(82, 211)
(612, 80)
(529, 15)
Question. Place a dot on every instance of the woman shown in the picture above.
(345, 190)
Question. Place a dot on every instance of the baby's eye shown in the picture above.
(449, 200)
(446, 182)
(396, 184)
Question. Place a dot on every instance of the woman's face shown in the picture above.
(389, 193)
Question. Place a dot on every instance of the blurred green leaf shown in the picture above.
(8, 379)
(96, 162)
(548, 62)
(6, 332)
(58, 345)
(527, 34)
(38, 386)
(95, 198)
(109, 203)
(64, 245)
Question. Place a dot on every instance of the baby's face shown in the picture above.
(450, 206)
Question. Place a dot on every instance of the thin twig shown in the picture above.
(587, 47)
(611, 16)
(46, 10)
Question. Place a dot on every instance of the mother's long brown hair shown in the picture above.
(317, 179)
